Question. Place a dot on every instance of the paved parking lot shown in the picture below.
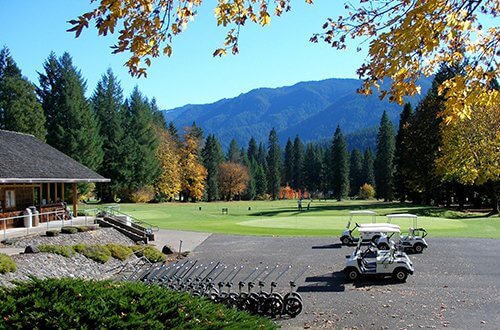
(455, 285)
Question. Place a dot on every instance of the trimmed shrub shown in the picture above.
(120, 252)
(69, 230)
(149, 252)
(7, 265)
(75, 304)
(98, 253)
(52, 233)
(82, 229)
(63, 250)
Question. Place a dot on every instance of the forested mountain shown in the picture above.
(311, 110)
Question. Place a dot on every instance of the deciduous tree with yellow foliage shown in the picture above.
(168, 183)
(406, 39)
(193, 173)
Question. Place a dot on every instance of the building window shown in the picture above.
(10, 199)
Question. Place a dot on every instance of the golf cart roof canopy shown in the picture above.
(363, 212)
(382, 229)
(401, 215)
(371, 225)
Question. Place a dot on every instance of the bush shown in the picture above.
(69, 230)
(7, 265)
(366, 191)
(82, 229)
(149, 252)
(120, 252)
(98, 253)
(143, 195)
(75, 304)
(63, 250)
(52, 233)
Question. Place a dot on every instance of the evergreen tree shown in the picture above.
(260, 180)
(142, 142)
(107, 102)
(402, 156)
(340, 166)
(288, 164)
(173, 131)
(251, 190)
(312, 169)
(71, 124)
(368, 175)
(298, 164)
(212, 156)
(384, 160)
(253, 150)
(274, 164)
(158, 118)
(233, 153)
(355, 172)
(425, 141)
(19, 109)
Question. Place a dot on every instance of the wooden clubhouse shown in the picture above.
(36, 175)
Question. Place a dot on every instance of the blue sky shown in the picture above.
(273, 56)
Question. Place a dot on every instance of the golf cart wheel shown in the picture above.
(293, 294)
(275, 305)
(419, 248)
(293, 306)
(383, 246)
(231, 300)
(352, 273)
(345, 240)
(400, 274)
(252, 303)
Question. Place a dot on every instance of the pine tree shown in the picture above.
(298, 164)
(355, 172)
(141, 142)
(251, 191)
(107, 102)
(233, 153)
(158, 118)
(71, 125)
(384, 160)
(402, 156)
(368, 175)
(340, 166)
(253, 150)
(288, 164)
(260, 180)
(19, 109)
(312, 169)
(212, 156)
(274, 164)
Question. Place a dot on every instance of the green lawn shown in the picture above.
(281, 218)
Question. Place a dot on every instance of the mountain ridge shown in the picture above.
(311, 109)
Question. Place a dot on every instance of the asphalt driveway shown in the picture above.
(456, 282)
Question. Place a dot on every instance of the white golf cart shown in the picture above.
(414, 240)
(380, 263)
(347, 236)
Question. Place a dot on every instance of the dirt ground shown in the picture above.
(455, 285)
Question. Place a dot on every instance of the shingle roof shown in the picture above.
(24, 158)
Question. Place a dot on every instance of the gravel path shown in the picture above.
(456, 283)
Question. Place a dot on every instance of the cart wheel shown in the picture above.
(352, 274)
(231, 300)
(293, 306)
(419, 248)
(400, 274)
(345, 240)
(274, 305)
(242, 299)
(252, 303)
(293, 294)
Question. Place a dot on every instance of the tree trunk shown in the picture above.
(494, 190)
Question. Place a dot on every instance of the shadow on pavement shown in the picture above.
(328, 246)
(332, 282)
